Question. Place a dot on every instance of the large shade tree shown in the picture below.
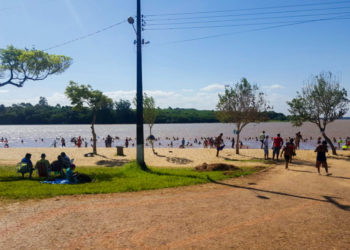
(18, 66)
(321, 101)
(242, 104)
(81, 95)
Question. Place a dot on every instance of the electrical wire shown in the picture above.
(85, 36)
(254, 30)
(232, 20)
(246, 9)
(244, 14)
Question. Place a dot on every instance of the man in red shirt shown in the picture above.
(277, 144)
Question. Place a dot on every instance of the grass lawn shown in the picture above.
(109, 180)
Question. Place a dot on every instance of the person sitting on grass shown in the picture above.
(321, 158)
(288, 152)
(43, 166)
(28, 168)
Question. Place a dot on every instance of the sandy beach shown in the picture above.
(273, 209)
(166, 157)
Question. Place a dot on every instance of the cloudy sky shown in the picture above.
(275, 44)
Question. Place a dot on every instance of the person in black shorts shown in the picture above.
(288, 153)
(321, 158)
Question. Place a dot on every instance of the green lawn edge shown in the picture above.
(128, 178)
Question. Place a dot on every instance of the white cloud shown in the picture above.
(274, 86)
(213, 87)
(3, 91)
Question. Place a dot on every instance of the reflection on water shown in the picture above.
(44, 135)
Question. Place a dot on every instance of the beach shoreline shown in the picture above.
(165, 157)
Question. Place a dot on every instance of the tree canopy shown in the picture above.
(94, 99)
(19, 65)
(321, 101)
(242, 104)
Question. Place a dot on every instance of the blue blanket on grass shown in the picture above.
(57, 181)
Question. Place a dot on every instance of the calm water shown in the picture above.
(44, 135)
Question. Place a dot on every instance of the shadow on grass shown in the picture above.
(112, 162)
(328, 199)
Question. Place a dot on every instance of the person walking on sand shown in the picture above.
(321, 158)
(262, 138)
(266, 147)
(288, 152)
(218, 143)
(277, 144)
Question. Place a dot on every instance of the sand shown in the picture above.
(274, 209)
(166, 157)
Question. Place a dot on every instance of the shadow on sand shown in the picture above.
(328, 199)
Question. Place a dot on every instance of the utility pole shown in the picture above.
(139, 92)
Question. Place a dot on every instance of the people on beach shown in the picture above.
(262, 138)
(63, 142)
(292, 148)
(28, 168)
(43, 166)
(277, 144)
(298, 138)
(266, 147)
(321, 158)
(233, 142)
(287, 151)
(219, 144)
(79, 142)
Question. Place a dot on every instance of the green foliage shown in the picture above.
(94, 99)
(26, 113)
(108, 180)
(17, 66)
(84, 94)
(321, 101)
(149, 110)
(242, 104)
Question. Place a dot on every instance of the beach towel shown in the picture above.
(57, 181)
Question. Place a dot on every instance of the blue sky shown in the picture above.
(186, 74)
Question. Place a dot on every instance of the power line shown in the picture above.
(253, 30)
(245, 9)
(232, 20)
(244, 14)
(85, 36)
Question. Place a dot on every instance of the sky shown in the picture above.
(277, 48)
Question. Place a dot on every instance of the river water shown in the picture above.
(45, 135)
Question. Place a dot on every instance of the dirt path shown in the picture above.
(275, 209)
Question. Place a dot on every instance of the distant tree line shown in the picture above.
(119, 112)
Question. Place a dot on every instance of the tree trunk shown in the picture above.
(329, 141)
(237, 142)
(94, 148)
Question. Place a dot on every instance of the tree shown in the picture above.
(321, 101)
(124, 113)
(17, 66)
(43, 101)
(94, 99)
(149, 114)
(242, 104)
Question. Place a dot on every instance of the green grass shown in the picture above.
(253, 160)
(128, 178)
